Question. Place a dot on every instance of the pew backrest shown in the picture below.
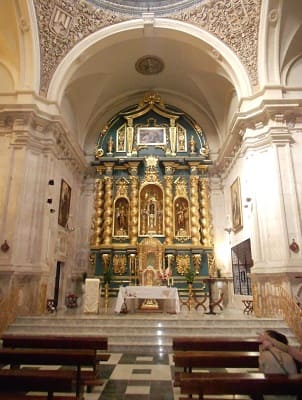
(55, 341)
(214, 343)
(239, 383)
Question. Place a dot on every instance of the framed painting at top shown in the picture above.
(64, 205)
(236, 205)
(151, 136)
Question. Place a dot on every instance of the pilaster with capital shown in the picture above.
(272, 176)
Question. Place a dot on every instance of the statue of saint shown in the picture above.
(192, 145)
(181, 218)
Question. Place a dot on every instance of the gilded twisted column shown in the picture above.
(133, 232)
(194, 210)
(168, 210)
(95, 239)
(206, 235)
(108, 212)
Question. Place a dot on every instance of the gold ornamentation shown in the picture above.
(130, 136)
(196, 262)
(211, 264)
(195, 227)
(92, 259)
(122, 187)
(106, 261)
(169, 210)
(99, 153)
(134, 209)
(107, 224)
(119, 264)
(181, 139)
(182, 218)
(182, 263)
(206, 219)
(96, 226)
(181, 187)
(151, 210)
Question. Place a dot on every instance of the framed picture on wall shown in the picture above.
(64, 204)
(151, 136)
(236, 205)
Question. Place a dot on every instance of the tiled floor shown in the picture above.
(135, 377)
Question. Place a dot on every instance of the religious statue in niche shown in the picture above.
(121, 139)
(181, 139)
(181, 213)
(151, 210)
(121, 217)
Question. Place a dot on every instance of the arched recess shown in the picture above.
(226, 67)
(233, 67)
(19, 45)
(269, 40)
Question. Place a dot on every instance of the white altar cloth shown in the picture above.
(92, 296)
(168, 295)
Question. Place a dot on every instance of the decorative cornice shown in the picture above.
(63, 23)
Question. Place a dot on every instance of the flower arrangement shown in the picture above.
(71, 301)
(189, 275)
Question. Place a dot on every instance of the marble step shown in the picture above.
(135, 332)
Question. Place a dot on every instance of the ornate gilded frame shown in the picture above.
(237, 220)
(64, 205)
(150, 136)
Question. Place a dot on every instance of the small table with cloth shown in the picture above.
(130, 295)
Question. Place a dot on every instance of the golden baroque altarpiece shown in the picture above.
(152, 199)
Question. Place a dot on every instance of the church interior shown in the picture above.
(151, 146)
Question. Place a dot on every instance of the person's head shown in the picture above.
(277, 336)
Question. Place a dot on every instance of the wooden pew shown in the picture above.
(205, 343)
(92, 342)
(210, 359)
(253, 384)
(189, 360)
(19, 380)
(76, 358)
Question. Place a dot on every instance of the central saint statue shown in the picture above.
(151, 218)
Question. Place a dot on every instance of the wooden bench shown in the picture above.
(189, 360)
(97, 343)
(253, 384)
(19, 380)
(205, 343)
(76, 358)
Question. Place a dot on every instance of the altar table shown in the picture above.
(131, 294)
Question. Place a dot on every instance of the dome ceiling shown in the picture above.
(186, 74)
